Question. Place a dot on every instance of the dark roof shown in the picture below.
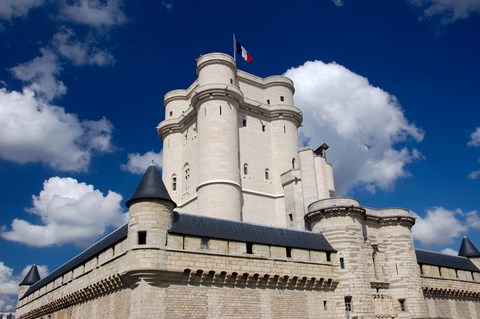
(193, 225)
(468, 249)
(200, 226)
(151, 187)
(87, 254)
(32, 277)
(442, 260)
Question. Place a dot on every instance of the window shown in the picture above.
(289, 252)
(324, 305)
(245, 169)
(267, 174)
(171, 113)
(282, 99)
(284, 130)
(342, 263)
(293, 163)
(421, 269)
(174, 182)
(204, 243)
(402, 305)
(231, 81)
(440, 271)
(244, 122)
(348, 304)
(186, 170)
(142, 237)
(268, 102)
(249, 248)
(263, 127)
(329, 256)
(290, 217)
(220, 109)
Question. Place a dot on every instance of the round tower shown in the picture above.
(149, 218)
(286, 119)
(468, 250)
(216, 101)
(171, 131)
(342, 222)
(32, 277)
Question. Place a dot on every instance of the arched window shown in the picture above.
(245, 169)
(267, 174)
(186, 170)
(174, 182)
(293, 163)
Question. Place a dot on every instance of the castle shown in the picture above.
(245, 224)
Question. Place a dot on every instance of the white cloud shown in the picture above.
(474, 142)
(137, 164)
(472, 220)
(475, 138)
(80, 53)
(70, 212)
(363, 123)
(40, 75)
(94, 13)
(8, 288)
(474, 174)
(32, 130)
(448, 11)
(450, 251)
(17, 8)
(167, 5)
(441, 226)
(338, 3)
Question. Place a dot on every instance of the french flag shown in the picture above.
(241, 50)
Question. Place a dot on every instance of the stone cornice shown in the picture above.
(335, 211)
(238, 279)
(272, 113)
(217, 91)
(449, 293)
(101, 287)
(343, 206)
(215, 58)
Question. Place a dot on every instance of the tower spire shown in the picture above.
(468, 249)
(32, 276)
(151, 187)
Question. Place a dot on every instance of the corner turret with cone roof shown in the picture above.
(468, 249)
(150, 217)
(32, 277)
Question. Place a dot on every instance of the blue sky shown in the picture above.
(391, 86)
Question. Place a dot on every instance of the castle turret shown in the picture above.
(216, 101)
(378, 268)
(468, 249)
(32, 277)
(150, 216)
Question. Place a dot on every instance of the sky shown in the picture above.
(391, 86)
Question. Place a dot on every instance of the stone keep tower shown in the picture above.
(231, 148)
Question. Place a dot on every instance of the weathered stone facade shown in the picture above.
(245, 224)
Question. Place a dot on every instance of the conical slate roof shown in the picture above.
(468, 249)
(32, 277)
(151, 187)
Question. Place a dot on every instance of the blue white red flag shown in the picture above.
(241, 50)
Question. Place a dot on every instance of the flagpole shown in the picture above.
(234, 49)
